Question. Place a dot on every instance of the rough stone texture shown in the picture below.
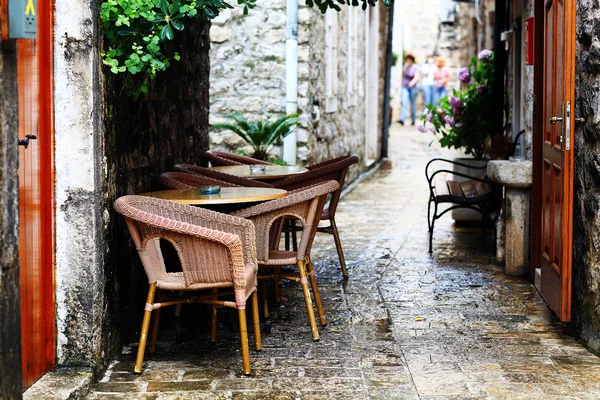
(513, 174)
(586, 219)
(406, 325)
(516, 224)
(476, 30)
(10, 325)
(143, 139)
(60, 385)
(248, 76)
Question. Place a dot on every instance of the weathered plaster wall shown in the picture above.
(10, 325)
(143, 139)
(78, 132)
(248, 76)
(586, 207)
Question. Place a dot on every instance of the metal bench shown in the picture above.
(476, 193)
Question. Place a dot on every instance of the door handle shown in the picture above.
(25, 142)
(554, 120)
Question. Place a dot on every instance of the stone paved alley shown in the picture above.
(405, 325)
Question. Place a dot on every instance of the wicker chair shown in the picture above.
(217, 252)
(222, 158)
(306, 205)
(211, 173)
(335, 169)
(181, 180)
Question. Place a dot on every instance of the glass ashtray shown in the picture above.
(210, 189)
(257, 168)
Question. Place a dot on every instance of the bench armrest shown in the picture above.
(449, 162)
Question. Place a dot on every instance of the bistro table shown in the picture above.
(270, 171)
(228, 195)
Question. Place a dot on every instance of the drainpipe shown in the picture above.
(291, 77)
(499, 65)
(386, 85)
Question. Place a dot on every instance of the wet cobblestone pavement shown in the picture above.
(406, 325)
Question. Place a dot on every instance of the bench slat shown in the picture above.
(456, 192)
(470, 191)
(441, 189)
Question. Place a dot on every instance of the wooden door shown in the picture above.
(36, 188)
(557, 168)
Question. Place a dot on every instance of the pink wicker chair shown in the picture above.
(335, 169)
(217, 252)
(181, 180)
(306, 205)
(222, 158)
(211, 173)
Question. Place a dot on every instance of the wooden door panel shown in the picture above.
(557, 171)
(36, 188)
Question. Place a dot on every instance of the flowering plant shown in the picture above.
(463, 119)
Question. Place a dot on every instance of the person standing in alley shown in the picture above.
(441, 78)
(427, 73)
(410, 77)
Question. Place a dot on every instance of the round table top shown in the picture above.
(270, 172)
(228, 195)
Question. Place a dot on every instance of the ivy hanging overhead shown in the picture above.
(136, 31)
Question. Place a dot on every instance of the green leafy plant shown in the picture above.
(137, 30)
(261, 135)
(463, 120)
(272, 160)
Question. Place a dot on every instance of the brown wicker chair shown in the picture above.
(306, 205)
(181, 180)
(216, 251)
(335, 169)
(211, 173)
(222, 158)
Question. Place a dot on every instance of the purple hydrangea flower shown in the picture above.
(429, 117)
(455, 102)
(484, 54)
(440, 112)
(482, 88)
(464, 76)
(431, 129)
(449, 120)
(422, 128)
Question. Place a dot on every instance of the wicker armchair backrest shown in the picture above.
(335, 169)
(211, 173)
(182, 180)
(222, 158)
(305, 205)
(212, 247)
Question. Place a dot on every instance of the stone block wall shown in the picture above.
(10, 325)
(586, 207)
(143, 139)
(248, 76)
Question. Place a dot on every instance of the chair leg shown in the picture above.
(213, 321)
(316, 293)
(431, 229)
(309, 307)
(338, 245)
(145, 326)
(277, 284)
(256, 321)
(154, 333)
(244, 340)
(265, 295)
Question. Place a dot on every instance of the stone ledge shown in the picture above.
(513, 174)
(62, 384)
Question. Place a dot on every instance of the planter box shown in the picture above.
(466, 215)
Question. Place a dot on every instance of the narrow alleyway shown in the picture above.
(405, 325)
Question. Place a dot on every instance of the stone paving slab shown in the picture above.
(407, 325)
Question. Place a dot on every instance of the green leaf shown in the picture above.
(177, 25)
(166, 33)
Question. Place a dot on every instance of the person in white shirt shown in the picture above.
(427, 80)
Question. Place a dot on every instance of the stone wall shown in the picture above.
(586, 218)
(10, 325)
(248, 76)
(143, 139)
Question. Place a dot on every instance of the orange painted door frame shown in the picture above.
(36, 197)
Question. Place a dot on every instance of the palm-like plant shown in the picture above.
(261, 135)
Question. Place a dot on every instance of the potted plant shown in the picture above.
(261, 135)
(463, 119)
